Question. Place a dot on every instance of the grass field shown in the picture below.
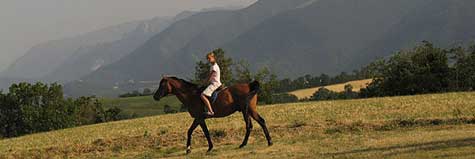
(142, 106)
(307, 93)
(422, 126)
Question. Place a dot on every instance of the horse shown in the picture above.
(237, 98)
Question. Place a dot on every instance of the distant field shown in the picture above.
(422, 126)
(307, 93)
(142, 106)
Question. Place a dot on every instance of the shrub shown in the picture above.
(167, 109)
(324, 94)
(282, 98)
(30, 108)
(423, 69)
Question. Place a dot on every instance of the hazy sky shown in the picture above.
(24, 23)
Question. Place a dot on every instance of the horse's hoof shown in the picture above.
(270, 143)
(188, 151)
(209, 150)
(241, 146)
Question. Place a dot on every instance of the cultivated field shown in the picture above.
(308, 92)
(423, 126)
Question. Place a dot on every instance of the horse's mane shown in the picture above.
(187, 83)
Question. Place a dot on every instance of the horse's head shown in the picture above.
(164, 89)
(173, 85)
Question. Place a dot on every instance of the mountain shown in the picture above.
(445, 23)
(294, 37)
(323, 37)
(177, 48)
(90, 58)
(43, 58)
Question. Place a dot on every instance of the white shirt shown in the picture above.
(216, 76)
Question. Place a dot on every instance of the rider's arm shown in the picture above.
(210, 75)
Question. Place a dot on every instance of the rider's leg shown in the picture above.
(208, 104)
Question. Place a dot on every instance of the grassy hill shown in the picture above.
(142, 106)
(307, 93)
(423, 126)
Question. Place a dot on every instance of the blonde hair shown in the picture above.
(210, 54)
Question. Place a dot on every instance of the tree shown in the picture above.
(348, 93)
(464, 71)
(373, 70)
(283, 98)
(323, 94)
(167, 109)
(324, 79)
(147, 92)
(225, 65)
(136, 93)
(423, 69)
(30, 108)
(242, 72)
(268, 82)
(431, 68)
(113, 114)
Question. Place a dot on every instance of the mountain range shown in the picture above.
(45, 57)
(292, 38)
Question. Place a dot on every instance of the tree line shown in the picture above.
(423, 69)
(273, 89)
(420, 70)
(31, 108)
(136, 93)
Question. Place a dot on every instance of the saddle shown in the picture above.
(214, 95)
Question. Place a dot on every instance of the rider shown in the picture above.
(213, 80)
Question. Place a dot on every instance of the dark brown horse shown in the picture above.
(240, 97)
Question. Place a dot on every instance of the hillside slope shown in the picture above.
(45, 57)
(88, 59)
(176, 49)
(293, 38)
(308, 92)
(423, 126)
(445, 23)
(331, 36)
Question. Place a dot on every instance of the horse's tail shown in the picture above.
(254, 89)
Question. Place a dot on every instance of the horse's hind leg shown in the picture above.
(248, 122)
(262, 123)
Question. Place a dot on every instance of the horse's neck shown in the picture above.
(190, 101)
(182, 98)
(185, 97)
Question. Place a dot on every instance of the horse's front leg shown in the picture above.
(190, 132)
(206, 132)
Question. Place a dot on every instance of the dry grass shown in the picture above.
(423, 126)
(307, 93)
